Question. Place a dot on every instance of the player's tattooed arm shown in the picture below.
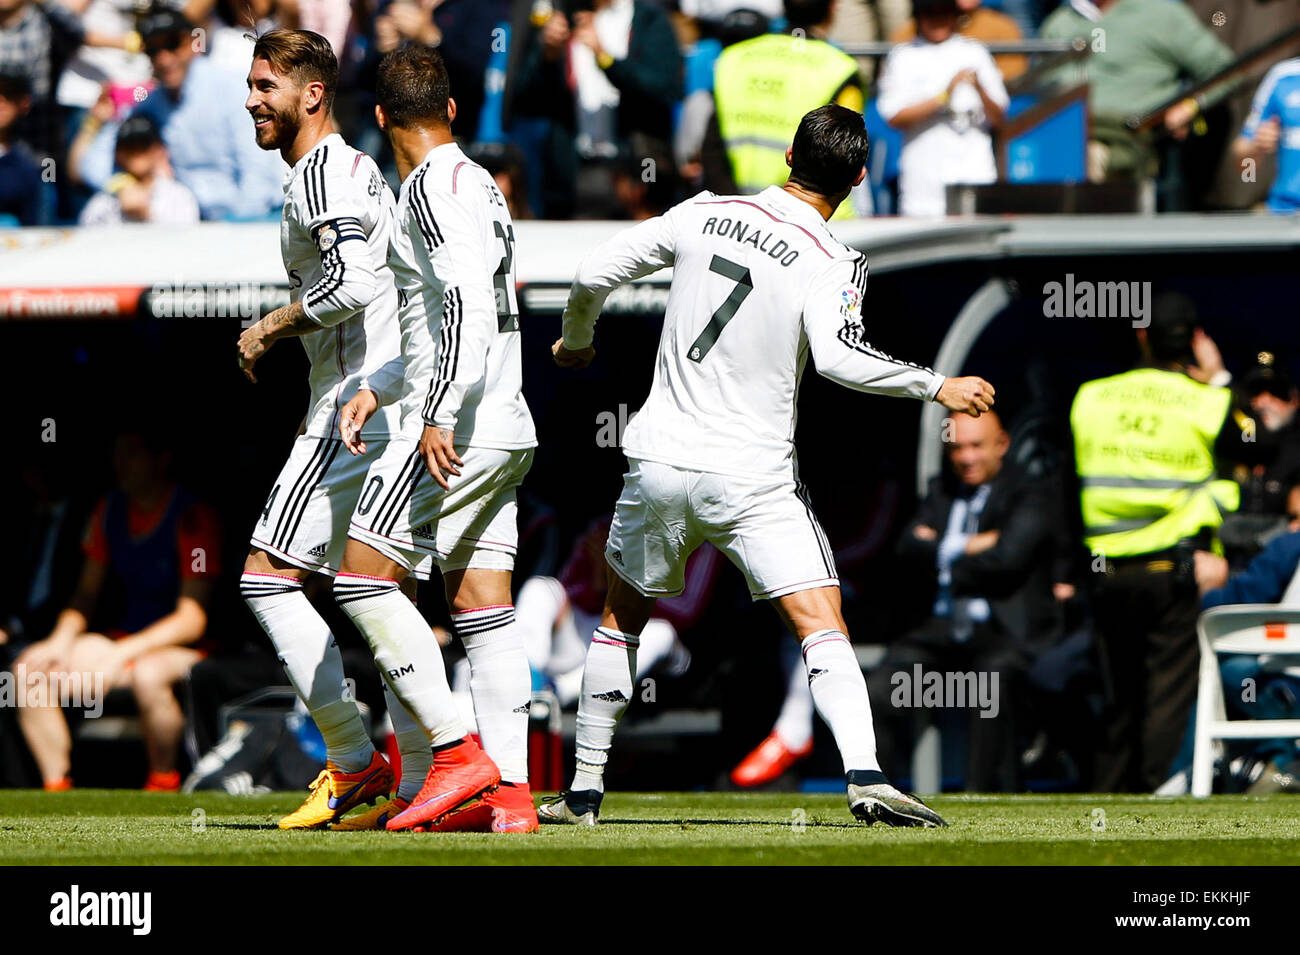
(256, 341)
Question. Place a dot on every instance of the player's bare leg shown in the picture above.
(608, 682)
(839, 693)
(152, 679)
(355, 772)
(43, 725)
(368, 589)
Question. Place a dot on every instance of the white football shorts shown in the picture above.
(305, 520)
(766, 528)
(407, 517)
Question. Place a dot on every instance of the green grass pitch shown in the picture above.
(94, 827)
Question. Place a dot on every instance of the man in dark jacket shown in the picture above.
(984, 536)
(607, 76)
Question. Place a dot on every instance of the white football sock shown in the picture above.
(313, 663)
(406, 651)
(606, 691)
(412, 744)
(839, 692)
(500, 685)
(794, 724)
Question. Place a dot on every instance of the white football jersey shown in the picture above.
(758, 283)
(334, 238)
(452, 257)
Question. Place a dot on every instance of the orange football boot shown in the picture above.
(168, 782)
(508, 809)
(767, 762)
(459, 775)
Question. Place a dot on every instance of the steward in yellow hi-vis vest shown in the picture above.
(1150, 497)
(763, 87)
(1144, 451)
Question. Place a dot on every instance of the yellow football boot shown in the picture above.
(335, 793)
(375, 818)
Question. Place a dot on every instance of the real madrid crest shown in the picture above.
(326, 238)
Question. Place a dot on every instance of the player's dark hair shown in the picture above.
(412, 87)
(830, 149)
(802, 14)
(303, 56)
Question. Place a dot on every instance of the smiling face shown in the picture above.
(275, 104)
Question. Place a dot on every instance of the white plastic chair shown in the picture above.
(1264, 629)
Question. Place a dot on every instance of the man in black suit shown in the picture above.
(983, 535)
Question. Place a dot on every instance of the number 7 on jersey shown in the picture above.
(727, 310)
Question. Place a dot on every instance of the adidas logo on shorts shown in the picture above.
(613, 696)
(617, 556)
(319, 551)
(424, 531)
(523, 709)
(815, 673)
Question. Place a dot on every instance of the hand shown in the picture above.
(1063, 592)
(555, 36)
(978, 543)
(104, 109)
(252, 346)
(567, 358)
(963, 76)
(1178, 116)
(408, 18)
(1267, 135)
(972, 395)
(1211, 570)
(442, 635)
(135, 200)
(923, 533)
(353, 418)
(584, 31)
(1209, 361)
(437, 449)
(387, 38)
(4, 636)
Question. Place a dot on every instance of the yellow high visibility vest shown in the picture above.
(762, 88)
(1144, 450)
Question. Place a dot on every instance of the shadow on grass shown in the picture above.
(754, 823)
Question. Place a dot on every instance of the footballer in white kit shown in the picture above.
(452, 258)
(444, 492)
(759, 285)
(334, 238)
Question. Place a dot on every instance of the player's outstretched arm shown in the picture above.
(641, 250)
(832, 320)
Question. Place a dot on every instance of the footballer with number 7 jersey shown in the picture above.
(758, 284)
(334, 238)
(448, 495)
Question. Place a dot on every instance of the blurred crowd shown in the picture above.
(117, 110)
